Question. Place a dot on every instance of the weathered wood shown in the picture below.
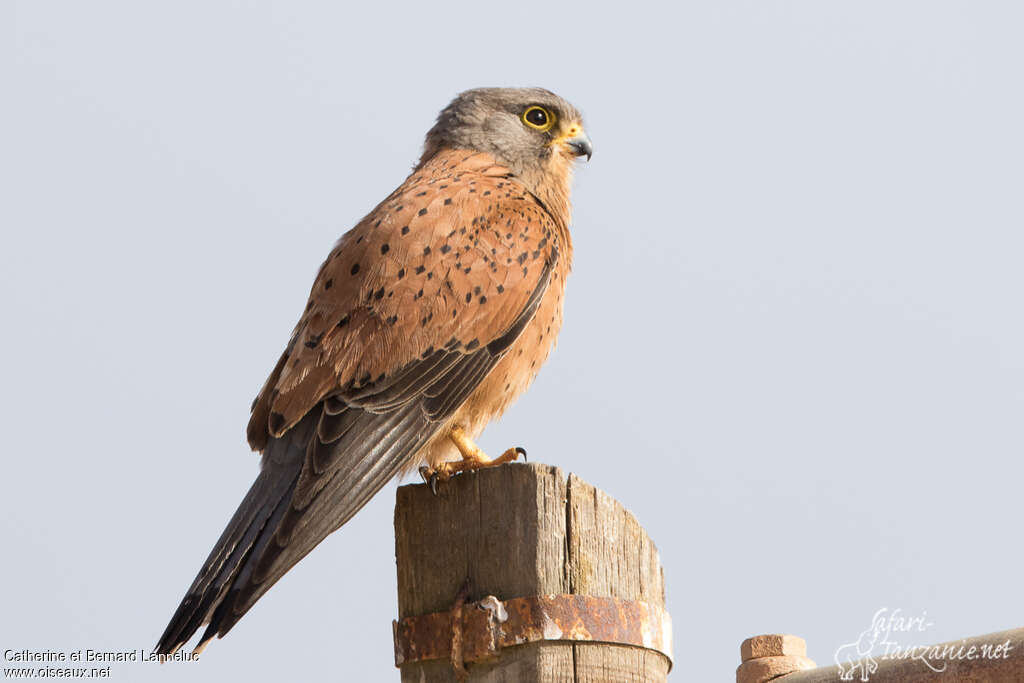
(522, 530)
(611, 555)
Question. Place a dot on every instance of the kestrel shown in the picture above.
(425, 322)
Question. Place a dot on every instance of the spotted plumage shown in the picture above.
(426, 320)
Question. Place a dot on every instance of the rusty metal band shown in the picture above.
(489, 625)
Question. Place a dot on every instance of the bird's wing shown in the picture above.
(409, 313)
(448, 261)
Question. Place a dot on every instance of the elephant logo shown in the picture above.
(856, 656)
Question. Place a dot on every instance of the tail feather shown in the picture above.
(355, 478)
(277, 524)
(241, 576)
(269, 495)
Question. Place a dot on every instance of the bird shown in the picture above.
(426, 320)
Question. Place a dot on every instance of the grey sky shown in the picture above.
(793, 343)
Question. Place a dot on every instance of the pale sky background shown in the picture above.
(793, 343)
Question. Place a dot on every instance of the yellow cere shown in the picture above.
(571, 132)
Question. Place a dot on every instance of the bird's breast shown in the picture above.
(512, 375)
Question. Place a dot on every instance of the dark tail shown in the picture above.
(249, 530)
(314, 478)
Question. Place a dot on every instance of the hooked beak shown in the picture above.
(575, 142)
(580, 145)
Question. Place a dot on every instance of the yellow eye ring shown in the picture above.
(539, 118)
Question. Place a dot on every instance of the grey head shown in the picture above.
(525, 129)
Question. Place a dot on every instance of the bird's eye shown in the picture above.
(538, 118)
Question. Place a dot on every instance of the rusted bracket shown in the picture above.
(489, 625)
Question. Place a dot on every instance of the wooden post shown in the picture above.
(518, 531)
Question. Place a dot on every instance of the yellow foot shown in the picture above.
(472, 459)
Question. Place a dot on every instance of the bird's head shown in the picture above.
(532, 131)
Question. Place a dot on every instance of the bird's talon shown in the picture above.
(430, 478)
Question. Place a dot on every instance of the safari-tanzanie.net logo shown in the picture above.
(893, 635)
